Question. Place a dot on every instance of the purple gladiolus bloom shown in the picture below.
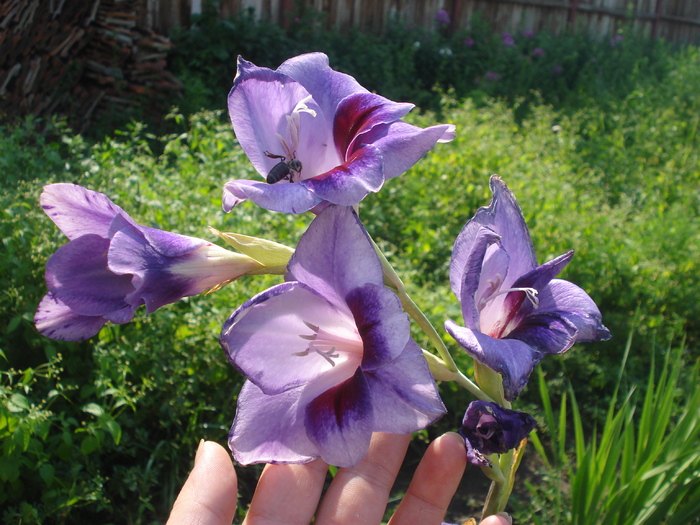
(442, 17)
(318, 136)
(488, 428)
(515, 312)
(328, 355)
(111, 265)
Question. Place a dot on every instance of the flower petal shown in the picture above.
(511, 358)
(270, 429)
(570, 301)
(55, 320)
(504, 217)
(78, 276)
(358, 114)
(78, 211)
(335, 255)
(402, 145)
(471, 261)
(284, 196)
(382, 324)
(549, 333)
(267, 339)
(352, 181)
(326, 86)
(405, 393)
(339, 422)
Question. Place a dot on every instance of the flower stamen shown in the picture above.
(530, 293)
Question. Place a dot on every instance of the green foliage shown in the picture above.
(642, 468)
(417, 65)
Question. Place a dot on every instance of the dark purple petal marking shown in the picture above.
(361, 112)
(339, 421)
(548, 333)
(382, 324)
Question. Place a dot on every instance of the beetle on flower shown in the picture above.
(111, 265)
(515, 312)
(318, 136)
(328, 355)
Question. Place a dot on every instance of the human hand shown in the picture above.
(290, 494)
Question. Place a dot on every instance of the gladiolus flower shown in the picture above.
(328, 355)
(317, 136)
(111, 265)
(515, 312)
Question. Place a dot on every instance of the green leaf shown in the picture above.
(94, 409)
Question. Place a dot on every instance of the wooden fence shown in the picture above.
(673, 20)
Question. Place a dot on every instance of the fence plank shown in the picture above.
(673, 20)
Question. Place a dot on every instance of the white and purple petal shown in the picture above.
(283, 197)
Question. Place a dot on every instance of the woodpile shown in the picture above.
(79, 58)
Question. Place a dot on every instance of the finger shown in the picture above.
(359, 495)
(208, 497)
(434, 483)
(287, 494)
(498, 519)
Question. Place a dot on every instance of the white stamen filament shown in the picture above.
(293, 128)
(326, 344)
(530, 293)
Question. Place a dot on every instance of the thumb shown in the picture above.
(209, 495)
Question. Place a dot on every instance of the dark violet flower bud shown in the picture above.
(488, 428)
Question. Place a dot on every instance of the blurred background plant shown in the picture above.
(603, 155)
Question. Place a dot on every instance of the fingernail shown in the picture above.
(199, 452)
(506, 516)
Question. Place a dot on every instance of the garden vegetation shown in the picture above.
(599, 141)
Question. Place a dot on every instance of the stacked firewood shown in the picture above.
(79, 58)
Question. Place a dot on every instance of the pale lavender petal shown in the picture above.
(339, 422)
(382, 324)
(268, 337)
(283, 197)
(335, 255)
(471, 262)
(402, 145)
(511, 358)
(549, 333)
(406, 396)
(258, 105)
(78, 211)
(358, 114)
(327, 87)
(570, 301)
(78, 276)
(55, 320)
(270, 429)
(350, 182)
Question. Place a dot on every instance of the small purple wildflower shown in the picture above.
(469, 42)
(538, 52)
(558, 70)
(527, 33)
(508, 40)
(492, 76)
